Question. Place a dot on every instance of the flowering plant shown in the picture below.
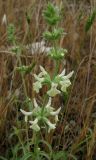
(61, 80)
(44, 116)
(41, 115)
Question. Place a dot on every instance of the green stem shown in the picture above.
(57, 63)
(36, 137)
(27, 136)
(21, 144)
(22, 76)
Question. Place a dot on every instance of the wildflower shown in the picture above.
(43, 71)
(53, 91)
(41, 115)
(34, 125)
(56, 112)
(26, 114)
(65, 81)
(50, 125)
(64, 85)
(42, 77)
(37, 86)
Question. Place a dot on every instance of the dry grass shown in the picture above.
(77, 128)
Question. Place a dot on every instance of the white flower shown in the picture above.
(39, 78)
(62, 73)
(65, 84)
(43, 70)
(35, 103)
(55, 112)
(53, 91)
(49, 103)
(65, 80)
(34, 125)
(69, 75)
(37, 86)
(26, 114)
(42, 114)
(48, 107)
(50, 125)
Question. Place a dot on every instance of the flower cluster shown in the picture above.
(56, 84)
(40, 116)
(60, 81)
(57, 54)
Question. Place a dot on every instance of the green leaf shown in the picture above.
(61, 155)
(43, 154)
(54, 35)
(90, 21)
(11, 33)
(51, 14)
(48, 145)
(27, 156)
(16, 49)
(25, 69)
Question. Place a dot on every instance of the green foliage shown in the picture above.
(40, 114)
(28, 17)
(11, 33)
(51, 14)
(54, 35)
(90, 21)
(60, 155)
(16, 50)
(57, 54)
(25, 69)
(27, 156)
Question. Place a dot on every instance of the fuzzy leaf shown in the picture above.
(90, 21)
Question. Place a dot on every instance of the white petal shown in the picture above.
(50, 125)
(38, 78)
(56, 118)
(25, 113)
(65, 84)
(34, 122)
(49, 102)
(69, 75)
(54, 85)
(34, 125)
(62, 74)
(26, 118)
(53, 91)
(37, 86)
(56, 112)
(43, 70)
(35, 103)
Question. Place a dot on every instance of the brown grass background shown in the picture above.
(80, 117)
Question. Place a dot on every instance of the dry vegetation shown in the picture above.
(77, 127)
